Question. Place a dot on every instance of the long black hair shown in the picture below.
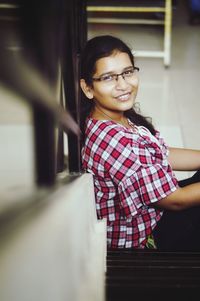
(96, 48)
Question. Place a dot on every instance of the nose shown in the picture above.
(121, 82)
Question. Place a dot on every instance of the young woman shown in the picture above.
(135, 187)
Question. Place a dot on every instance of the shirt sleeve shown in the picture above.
(141, 178)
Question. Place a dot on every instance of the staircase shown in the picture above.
(152, 275)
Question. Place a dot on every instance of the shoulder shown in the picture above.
(104, 128)
(107, 136)
(103, 125)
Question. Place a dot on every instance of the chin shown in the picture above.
(129, 105)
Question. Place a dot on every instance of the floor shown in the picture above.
(170, 96)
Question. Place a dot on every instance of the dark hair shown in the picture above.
(96, 48)
(99, 47)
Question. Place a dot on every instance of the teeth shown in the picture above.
(123, 97)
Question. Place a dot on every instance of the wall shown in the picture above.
(55, 249)
(16, 143)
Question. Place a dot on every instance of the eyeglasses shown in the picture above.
(109, 78)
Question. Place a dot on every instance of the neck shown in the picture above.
(100, 114)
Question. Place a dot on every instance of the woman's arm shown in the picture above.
(188, 196)
(184, 159)
(182, 198)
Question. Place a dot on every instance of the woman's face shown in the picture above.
(117, 95)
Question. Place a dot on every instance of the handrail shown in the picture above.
(18, 74)
(31, 49)
(36, 90)
(110, 8)
(8, 6)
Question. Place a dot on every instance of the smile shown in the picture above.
(123, 97)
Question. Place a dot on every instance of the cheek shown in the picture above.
(103, 91)
(135, 85)
(136, 82)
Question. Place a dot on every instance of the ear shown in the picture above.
(87, 90)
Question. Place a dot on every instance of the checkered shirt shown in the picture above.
(131, 172)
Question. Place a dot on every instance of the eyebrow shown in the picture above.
(112, 72)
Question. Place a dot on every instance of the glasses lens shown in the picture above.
(107, 78)
(128, 73)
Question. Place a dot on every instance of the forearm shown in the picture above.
(184, 159)
(182, 198)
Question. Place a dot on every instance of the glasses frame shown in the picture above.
(115, 76)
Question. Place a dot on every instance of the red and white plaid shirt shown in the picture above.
(130, 171)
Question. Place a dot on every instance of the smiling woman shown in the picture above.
(135, 186)
(110, 78)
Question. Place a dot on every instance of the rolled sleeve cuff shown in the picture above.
(147, 186)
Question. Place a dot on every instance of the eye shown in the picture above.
(128, 72)
(108, 77)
